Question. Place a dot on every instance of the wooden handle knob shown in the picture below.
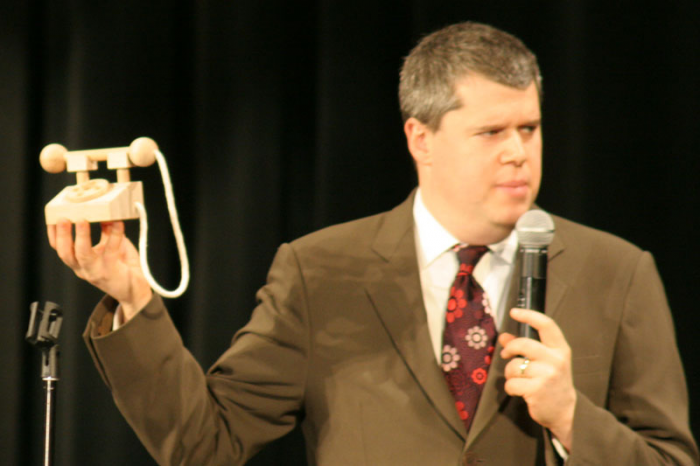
(53, 158)
(142, 152)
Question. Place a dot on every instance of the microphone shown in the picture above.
(535, 230)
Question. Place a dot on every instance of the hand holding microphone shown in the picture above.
(539, 372)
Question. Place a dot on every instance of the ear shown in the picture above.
(418, 138)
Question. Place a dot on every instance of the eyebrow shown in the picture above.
(536, 122)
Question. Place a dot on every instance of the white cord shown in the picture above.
(177, 231)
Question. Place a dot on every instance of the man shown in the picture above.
(351, 337)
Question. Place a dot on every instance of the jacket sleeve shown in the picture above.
(250, 397)
(646, 420)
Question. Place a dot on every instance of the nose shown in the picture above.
(514, 150)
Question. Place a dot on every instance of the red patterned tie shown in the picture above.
(469, 337)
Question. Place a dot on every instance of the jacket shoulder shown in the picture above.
(576, 235)
(362, 234)
(358, 230)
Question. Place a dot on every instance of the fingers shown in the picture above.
(64, 243)
(520, 376)
(525, 376)
(112, 238)
(505, 338)
(546, 357)
(104, 236)
(525, 368)
(78, 253)
(522, 366)
(520, 386)
(540, 373)
(541, 357)
(115, 234)
(527, 347)
(51, 233)
(112, 265)
(83, 243)
(550, 333)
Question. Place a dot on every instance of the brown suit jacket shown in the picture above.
(339, 342)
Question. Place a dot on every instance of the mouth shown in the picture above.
(514, 188)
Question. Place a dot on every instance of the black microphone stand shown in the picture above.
(44, 327)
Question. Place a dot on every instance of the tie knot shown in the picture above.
(470, 255)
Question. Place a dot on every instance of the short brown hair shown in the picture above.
(430, 71)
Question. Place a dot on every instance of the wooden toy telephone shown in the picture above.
(98, 200)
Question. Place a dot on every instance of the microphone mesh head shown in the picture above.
(535, 229)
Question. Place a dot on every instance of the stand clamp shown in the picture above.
(44, 327)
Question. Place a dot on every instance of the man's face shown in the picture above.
(481, 169)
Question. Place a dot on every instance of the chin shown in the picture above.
(510, 218)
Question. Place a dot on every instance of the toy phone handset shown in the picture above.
(97, 200)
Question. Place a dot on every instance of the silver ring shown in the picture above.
(523, 366)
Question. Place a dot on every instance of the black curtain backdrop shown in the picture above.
(278, 118)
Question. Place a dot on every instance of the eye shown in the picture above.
(491, 132)
(529, 129)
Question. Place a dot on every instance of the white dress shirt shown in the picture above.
(438, 264)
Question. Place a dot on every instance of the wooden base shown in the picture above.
(116, 204)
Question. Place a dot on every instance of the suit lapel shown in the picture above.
(555, 285)
(398, 300)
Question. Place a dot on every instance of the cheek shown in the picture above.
(536, 166)
(459, 165)
(534, 150)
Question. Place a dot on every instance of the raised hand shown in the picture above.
(112, 265)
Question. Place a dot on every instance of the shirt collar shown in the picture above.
(433, 239)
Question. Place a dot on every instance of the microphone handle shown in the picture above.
(533, 285)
